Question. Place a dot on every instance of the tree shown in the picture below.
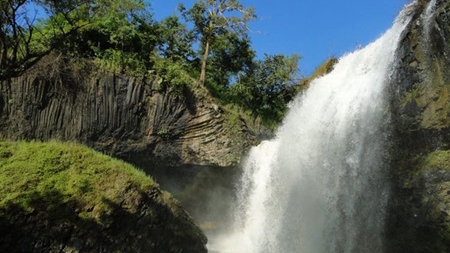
(212, 17)
(16, 31)
(24, 39)
(176, 40)
(268, 86)
(230, 55)
(125, 25)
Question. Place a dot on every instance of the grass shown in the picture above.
(29, 169)
(324, 68)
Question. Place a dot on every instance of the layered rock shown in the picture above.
(419, 214)
(126, 117)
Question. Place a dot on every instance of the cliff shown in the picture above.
(126, 117)
(419, 214)
(59, 197)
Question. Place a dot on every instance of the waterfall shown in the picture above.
(320, 185)
(428, 15)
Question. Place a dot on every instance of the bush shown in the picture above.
(172, 75)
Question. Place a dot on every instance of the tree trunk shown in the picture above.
(3, 56)
(205, 58)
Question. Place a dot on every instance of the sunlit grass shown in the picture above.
(75, 172)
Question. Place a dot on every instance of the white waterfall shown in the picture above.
(320, 185)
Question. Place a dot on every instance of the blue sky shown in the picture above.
(314, 29)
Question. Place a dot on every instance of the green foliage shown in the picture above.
(324, 68)
(16, 31)
(230, 55)
(212, 18)
(118, 62)
(171, 75)
(267, 87)
(176, 40)
(120, 40)
(76, 28)
(164, 132)
(439, 159)
(78, 173)
(122, 37)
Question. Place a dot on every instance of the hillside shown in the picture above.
(65, 197)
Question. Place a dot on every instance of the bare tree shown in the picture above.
(16, 31)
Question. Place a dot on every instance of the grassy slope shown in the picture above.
(29, 169)
(324, 68)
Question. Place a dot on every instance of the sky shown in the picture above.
(314, 29)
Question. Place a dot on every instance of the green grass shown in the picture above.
(75, 172)
(324, 68)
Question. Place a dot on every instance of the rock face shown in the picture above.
(419, 214)
(143, 222)
(125, 117)
(129, 118)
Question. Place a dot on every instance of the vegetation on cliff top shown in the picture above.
(208, 42)
(76, 173)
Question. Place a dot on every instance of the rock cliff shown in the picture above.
(419, 214)
(134, 119)
(126, 117)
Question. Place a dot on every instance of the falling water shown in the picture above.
(320, 185)
(428, 17)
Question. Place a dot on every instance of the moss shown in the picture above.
(79, 174)
(165, 132)
(430, 88)
(446, 237)
(439, 159)
(433, 101)
(436, 112)
(432, 93)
